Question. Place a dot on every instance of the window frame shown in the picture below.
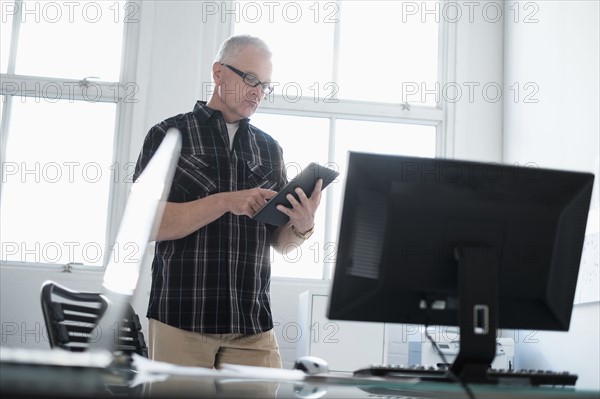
(118, 92)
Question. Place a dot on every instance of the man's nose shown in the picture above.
(256, 92)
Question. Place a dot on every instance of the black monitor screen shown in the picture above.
(422, 240)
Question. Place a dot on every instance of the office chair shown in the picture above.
(71, 316)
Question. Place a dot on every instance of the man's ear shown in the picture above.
(217, 70)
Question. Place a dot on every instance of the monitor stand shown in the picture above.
(478, 312)
(478, 305)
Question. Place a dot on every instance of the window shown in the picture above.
(62, 96)
(306, 260)
(349, 76)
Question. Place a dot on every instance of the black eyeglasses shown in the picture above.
(252, 80)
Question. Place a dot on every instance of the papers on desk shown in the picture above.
(57, 357)
(144, 365)
(151, 370)
(147, 370)
(261, 373)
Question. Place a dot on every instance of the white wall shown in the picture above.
(175, 46)
(559, 55)
(475, 65)
(172, 60)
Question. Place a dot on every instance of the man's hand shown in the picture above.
(302, 213)
(247, 202)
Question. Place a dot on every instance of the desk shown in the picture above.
(59, 382)
(52, 381)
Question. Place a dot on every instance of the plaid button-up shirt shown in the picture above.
(217, 279)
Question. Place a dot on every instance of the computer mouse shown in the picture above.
(311, 365)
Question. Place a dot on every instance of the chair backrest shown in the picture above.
(71, 318)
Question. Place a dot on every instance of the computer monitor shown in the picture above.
(445, 242)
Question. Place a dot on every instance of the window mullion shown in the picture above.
(52, 89)
(14, 38)
(446, 74)
(10, 69)
(4, 123)
(119, 189)
(351, 109)
(329, 205)
(336, 48)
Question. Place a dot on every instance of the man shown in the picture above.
(209, 300)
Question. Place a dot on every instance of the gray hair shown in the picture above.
(234, 44)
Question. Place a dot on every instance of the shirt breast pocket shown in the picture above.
(197, 174)
(261, 175)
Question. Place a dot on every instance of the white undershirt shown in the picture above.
(232, 128)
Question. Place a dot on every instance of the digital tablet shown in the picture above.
(306, 180)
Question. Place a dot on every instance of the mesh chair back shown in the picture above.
(71, 318)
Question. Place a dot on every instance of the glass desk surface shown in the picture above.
(39, 375)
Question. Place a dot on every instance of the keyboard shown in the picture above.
(529, 377)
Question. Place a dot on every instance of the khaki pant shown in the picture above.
(186, 348)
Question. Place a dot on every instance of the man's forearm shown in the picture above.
(181, 219)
